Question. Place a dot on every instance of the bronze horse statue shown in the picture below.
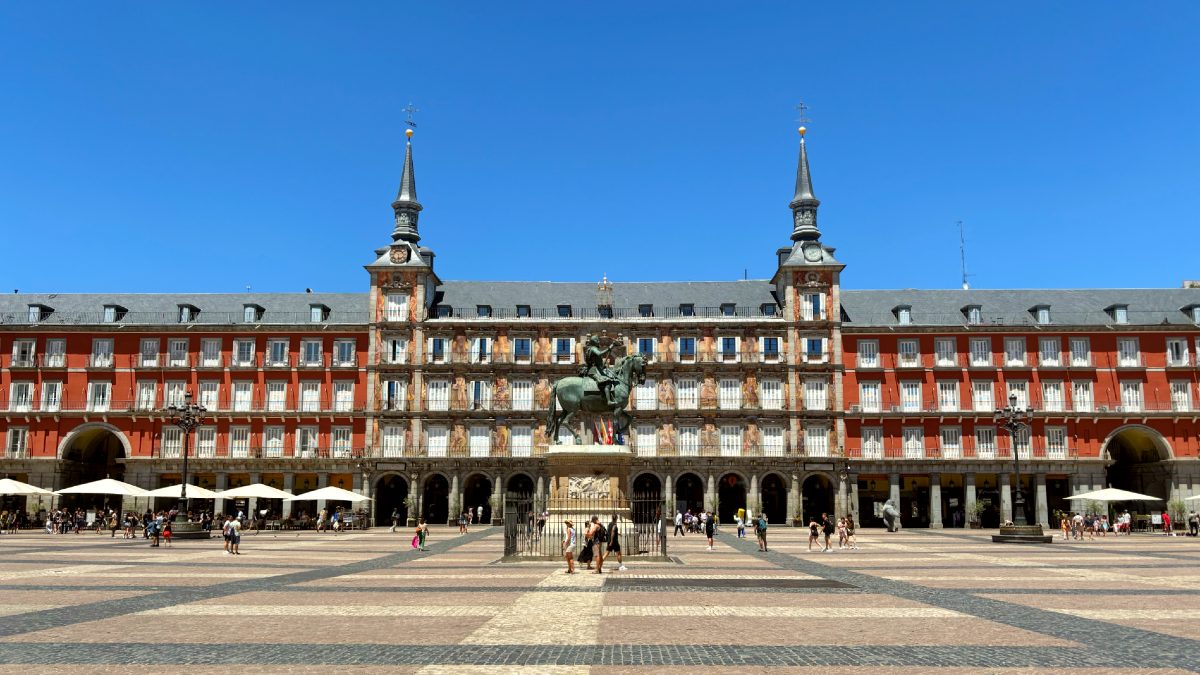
(582, 394)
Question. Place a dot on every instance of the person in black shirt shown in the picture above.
(827, 527)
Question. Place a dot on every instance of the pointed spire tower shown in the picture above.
(406, 206)
(804, 204)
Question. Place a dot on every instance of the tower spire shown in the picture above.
(406, 206)
(804, 204)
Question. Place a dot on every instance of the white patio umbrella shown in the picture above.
(106, 486)
(330, 493)
(8, 486)
(260, 490)
(193, 492)
(1191, 499)
(1115, 495)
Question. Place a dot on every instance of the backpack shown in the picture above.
(601, 534)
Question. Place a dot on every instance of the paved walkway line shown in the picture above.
(65, 616)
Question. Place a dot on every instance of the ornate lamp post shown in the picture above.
(187, 417)
(1014, 419)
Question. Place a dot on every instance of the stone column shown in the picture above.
(498, 499)
(839, 502)
(539, 489)
(752, 499)
(668, 496)
(219, 504)
(418, 495)
(854, 499)
(252, 503)
(710, 493)
(322, 481)
(795, 504)
(1005, 498)
(969, 497)
(289, 486)
(894, 490)
(454, 497)
(1043, 509)
(935, 501)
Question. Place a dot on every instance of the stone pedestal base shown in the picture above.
(1022, 534)
(187, 530)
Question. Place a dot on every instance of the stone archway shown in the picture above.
(91, 452)
(773, 502)
(647, 486)
(1138, 461)
(390, 492)
(731, 496)
(477, 492)
(435, 500)
(520, 483)
(689, 493)
(817, 497)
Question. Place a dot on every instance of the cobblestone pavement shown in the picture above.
(909, 602)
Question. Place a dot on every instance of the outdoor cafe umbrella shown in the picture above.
(259, 490)
(331, 493)
(8, 486)
(193, 492)
(1191, 499)
(1114, 495)
(106, 486)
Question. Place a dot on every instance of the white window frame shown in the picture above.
(1050, 351)
(148, 352)
(770, 393)
(726, 355)
(177, 353)
(816, 440)
(341, 441)
(729, 394)
(51, 396)
(1177, 352)
(687, 393)
(437, 394)
(1021, 389)
(273, 441)
(391, 441)
(206, 442)
(1056, 442)
(147, 395)
(1081, 352)
(1132, 398)
(481, 349)
(171, 444)
(20, 396)
(479, 440)
(772, 440)
(396, 307)
(24, 353)
(343, 396)
(730, 438)
(99, 396)
(981, 352)
(910, 396)
(1016, 351)
(309, 399)
(816, 394)
(312, 353)
(645, 395)
(1082, 396)
(242, 399)
(908, 353)
(868, 354)
(948, 395)
(1053, 396)
(210, 394)
(277, 395)
(913, 442)
(645, 440)
(689, 440)
(345, 352)
(983, 403)
(1128, 352)
(239, 442)
(307, 442)
(522, 394)
(520, 440)
(1181, 395)
(870, 396)
(102, 352)
(243, 352)
(985, 442)
(950, 438)
(394, 393)
(437, 442)
(872, 443)
(945, 352)
(275, 359)
(56, 353)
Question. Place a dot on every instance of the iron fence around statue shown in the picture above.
(535, 528)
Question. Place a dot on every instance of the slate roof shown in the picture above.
(1084, 307)
(160, 308)
(861, 309)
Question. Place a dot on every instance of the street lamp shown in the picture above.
(1014, 419)
(187, 417)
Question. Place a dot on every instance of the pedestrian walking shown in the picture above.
(827, 528)
(1193, 524)
(741, 525)
(225, 532)
(479, 514)
(422, 533)
(850, 543)
(235, 536)
(1166, 521)
(614, 543)
(760, 528)
(679, 525)
(599, 538)
(710, 526)
(568, 546)
(841, 532)
(395, 518)
(814, 530)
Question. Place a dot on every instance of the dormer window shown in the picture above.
(1119, 313)
(114, 313)
(442, 312)
(318, 313)
(1041, 314)
(483, 311)
(687, 310)
(188, 313)
(974, 314)
(564, 311)
(252, 313)
(605, 311)
(768, 309)
(523, 311)
(645, 311)
(39, 313)
(903, 314)
(1193, 312)
(728, 309)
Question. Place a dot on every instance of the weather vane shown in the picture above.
(410, 109)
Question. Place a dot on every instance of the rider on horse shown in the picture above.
(596, 367)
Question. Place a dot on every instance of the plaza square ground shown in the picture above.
(913, 602)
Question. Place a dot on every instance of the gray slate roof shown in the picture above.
(582, 295)
(159, 308)
(1083, 307)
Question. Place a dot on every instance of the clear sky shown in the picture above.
(189, 146)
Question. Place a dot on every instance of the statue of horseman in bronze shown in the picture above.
(599, 389)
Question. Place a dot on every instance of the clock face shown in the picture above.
(812, 254)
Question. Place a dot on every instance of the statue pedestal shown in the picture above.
(1022, 534)
(588, 480)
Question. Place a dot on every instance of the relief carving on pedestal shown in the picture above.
(587, 487)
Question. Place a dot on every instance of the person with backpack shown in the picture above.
(760, 528)
(827, 528)
(599, 537)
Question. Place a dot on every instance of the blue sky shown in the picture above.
(213, 146)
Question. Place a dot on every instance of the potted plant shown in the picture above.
(410, 507)
(975, 514)
(1178, 510)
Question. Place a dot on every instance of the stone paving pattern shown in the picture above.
(909, 602)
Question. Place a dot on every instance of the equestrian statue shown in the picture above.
(598, 389)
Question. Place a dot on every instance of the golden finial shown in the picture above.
(408, 132)
(802, 130)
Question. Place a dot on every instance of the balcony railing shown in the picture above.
(896, 450)
(290, 406)
(656, 357)
(444, 312)
(204, 318)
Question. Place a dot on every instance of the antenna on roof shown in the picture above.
(962, 256)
